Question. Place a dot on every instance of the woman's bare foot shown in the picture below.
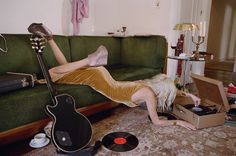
(99, 57)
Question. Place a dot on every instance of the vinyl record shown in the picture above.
(164, 116)
(200, 110)
(167, 115)
(120, 141)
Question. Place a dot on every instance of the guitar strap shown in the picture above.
(87, 151)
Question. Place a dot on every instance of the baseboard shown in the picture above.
(29, 130)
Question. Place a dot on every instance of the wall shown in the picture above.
(17, 15)
(139, 16)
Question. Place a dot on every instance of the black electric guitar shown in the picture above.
(71, 131)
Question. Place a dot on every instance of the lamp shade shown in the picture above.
(185, 26)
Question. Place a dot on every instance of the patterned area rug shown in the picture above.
(154, 140)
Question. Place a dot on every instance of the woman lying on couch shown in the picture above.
(89, 71)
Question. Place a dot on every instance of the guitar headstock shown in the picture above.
(38, 43)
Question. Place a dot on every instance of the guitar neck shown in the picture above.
(47, 76)
(38, 45)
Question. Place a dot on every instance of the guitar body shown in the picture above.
(71, 131)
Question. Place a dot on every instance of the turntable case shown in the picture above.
(14, 81)
(212, 93)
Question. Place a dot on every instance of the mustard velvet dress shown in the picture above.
(100, 79)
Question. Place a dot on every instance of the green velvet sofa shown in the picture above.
(22, 111)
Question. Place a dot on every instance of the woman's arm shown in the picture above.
(195, 99)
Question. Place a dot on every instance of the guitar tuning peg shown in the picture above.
(36, 39)
(40, 39)
(42, 43)
(34, 47)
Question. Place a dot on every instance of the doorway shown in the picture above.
(222, 35)
(222, 41)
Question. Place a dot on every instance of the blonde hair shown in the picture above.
(164, 89)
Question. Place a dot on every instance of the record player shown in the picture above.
(213, 107)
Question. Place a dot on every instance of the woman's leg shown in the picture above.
(98, 58)
(64, 66)
(57, 52)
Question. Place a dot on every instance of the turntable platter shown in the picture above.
(197, 109)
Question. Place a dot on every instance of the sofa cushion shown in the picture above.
(22, 106)
(20, 56)
(145, 51)
(81, 46)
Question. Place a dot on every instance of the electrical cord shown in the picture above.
(6, 49)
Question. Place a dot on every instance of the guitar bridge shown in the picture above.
(63, 138)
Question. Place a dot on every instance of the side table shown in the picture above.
(191, 69)
(185, 60)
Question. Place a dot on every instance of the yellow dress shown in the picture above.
(100, 79)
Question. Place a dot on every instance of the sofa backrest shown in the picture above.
(21, 58)
(146, 51)
(81, 46)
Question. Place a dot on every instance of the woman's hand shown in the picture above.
(195, 99)
(186, 125)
